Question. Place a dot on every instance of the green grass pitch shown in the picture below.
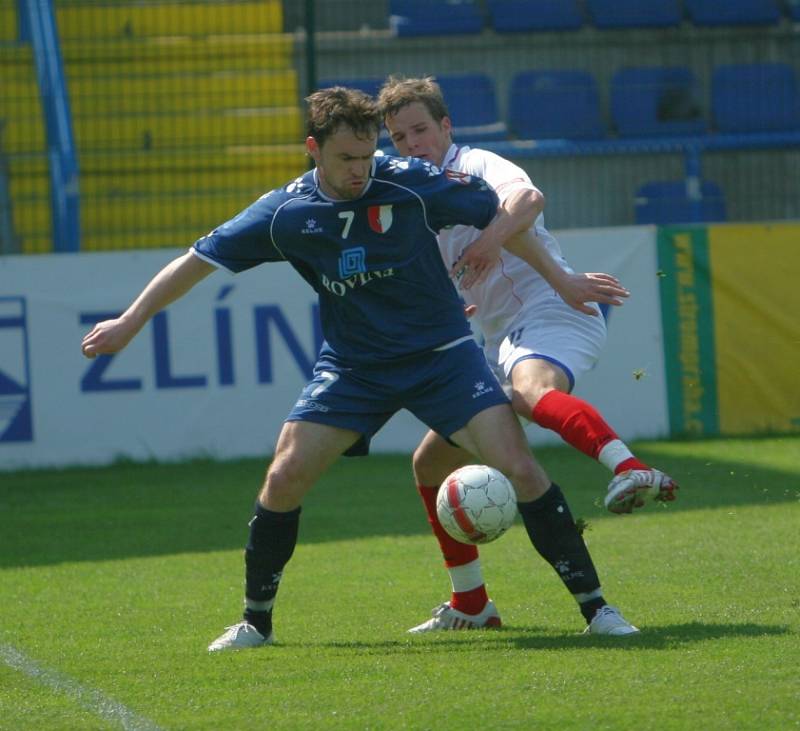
(113, 581)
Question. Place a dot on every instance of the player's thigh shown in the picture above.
(435, 458)
(496, 438)
(304, 452)
(532, 378)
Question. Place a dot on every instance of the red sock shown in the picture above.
(576, 421)
(454, 552)
(470, 602)
(630, 464)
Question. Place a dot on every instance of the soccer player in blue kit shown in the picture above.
(362, 232)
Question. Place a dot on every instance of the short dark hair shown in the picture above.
(398, 92)
(329, 109)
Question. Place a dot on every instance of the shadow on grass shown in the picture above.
(654, 637)
(130, 510)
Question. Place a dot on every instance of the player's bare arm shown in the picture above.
(576, 289)
(516, 214)
(171, 283)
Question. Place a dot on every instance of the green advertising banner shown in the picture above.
(688, 323)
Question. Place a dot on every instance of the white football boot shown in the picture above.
(609, 621)
(445, 617)
(239, 636)
(629, 489)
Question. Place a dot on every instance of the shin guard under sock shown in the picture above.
(555, 536)
(273, 537)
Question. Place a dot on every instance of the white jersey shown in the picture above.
(518, 313)
(512, 282)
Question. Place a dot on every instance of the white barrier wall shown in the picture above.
(216, 373)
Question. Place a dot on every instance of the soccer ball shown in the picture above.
(476, 504)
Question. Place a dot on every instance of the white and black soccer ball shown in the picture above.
(476, 504)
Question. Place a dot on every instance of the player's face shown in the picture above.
(343, 163)
(415, 133)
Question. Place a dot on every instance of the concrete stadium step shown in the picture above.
(42, 243)
(158, 132)
(171, 171)
(163, 93)
(90, 20)
(8, 22)
(263, 51)
(135, 213)
(180, 92)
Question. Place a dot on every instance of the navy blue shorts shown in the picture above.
(443, 388)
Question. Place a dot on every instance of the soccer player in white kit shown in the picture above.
(542, 330)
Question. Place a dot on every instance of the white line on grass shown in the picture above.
(91, 699)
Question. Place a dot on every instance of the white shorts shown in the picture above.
(552, 331)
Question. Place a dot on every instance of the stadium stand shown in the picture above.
(679, 201)
(368, 84)
(655, 101)
(519, 16)
(179, 121)
(793, 6)
(473, 107)
(733, 12)
(554, 104)
(435, 17)
(755, 98)
(634, 13)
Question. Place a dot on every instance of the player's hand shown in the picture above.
(477, 261)
(579, 289)
(107, 337)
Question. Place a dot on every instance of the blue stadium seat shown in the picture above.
(634, 13)
(666, 202)
(473, 107)
(755, 98)
(794, 9)
(434, 17)
(560, 104)
(517, 16)
(652, 101)
(368, 84)
(733, 12)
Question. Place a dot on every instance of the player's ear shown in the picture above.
(312, 148)
(446, 125)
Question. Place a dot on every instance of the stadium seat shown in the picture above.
(793, 7)
(368, 84)
(473, 108)
(517, 16)
(555, 104)
(634, 13)
(651, 101)
(733, 12)
(755, 98)
(674, 201)
(434, 17)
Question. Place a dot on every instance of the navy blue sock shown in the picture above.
(555, 536)
(273, 537)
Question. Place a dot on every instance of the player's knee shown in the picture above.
(529, 479)
(424, 466)
(524, 401)
(284, 486)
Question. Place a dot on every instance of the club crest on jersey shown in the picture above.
(352, 261)
(380, 218)
(458, 177)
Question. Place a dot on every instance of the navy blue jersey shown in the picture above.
(374, 261)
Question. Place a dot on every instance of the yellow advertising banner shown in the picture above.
(755, 293)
